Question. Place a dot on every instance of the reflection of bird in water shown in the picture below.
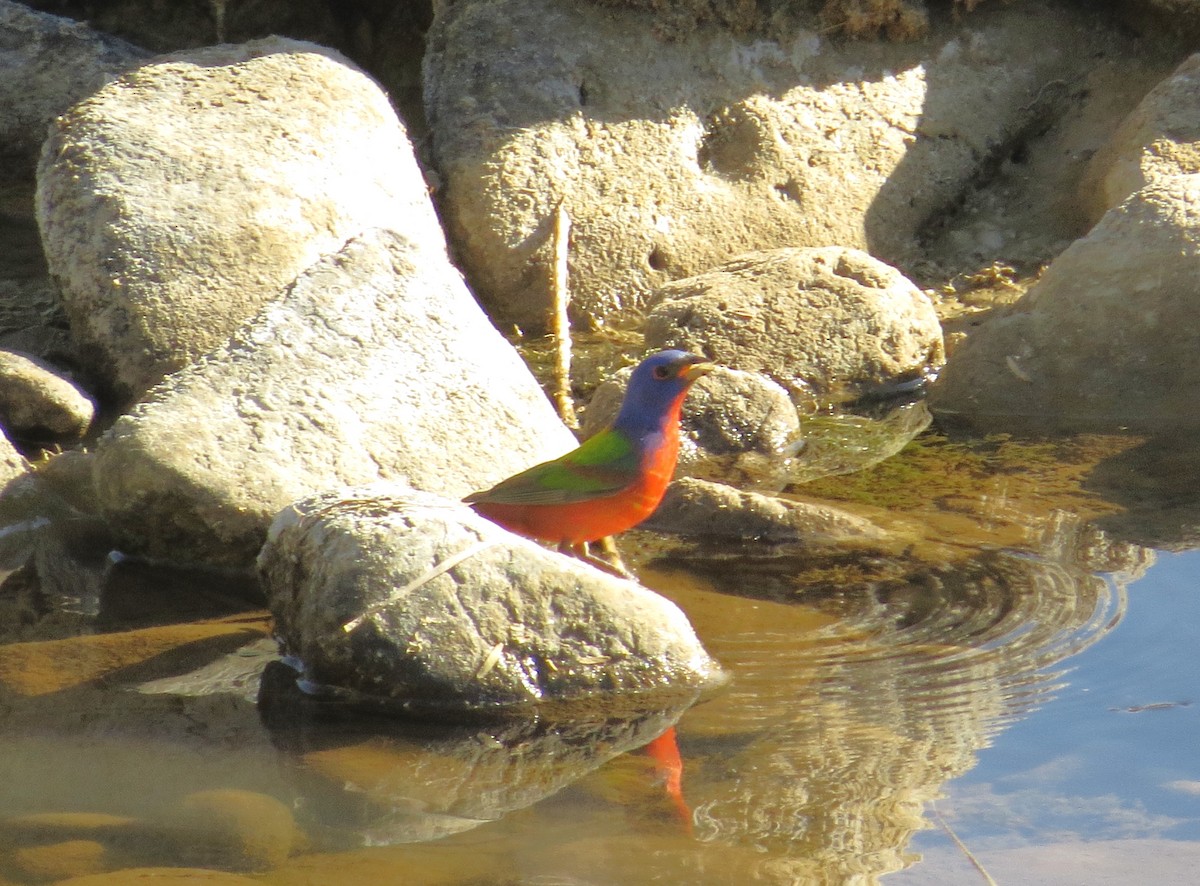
(613, 480)
(664, 751)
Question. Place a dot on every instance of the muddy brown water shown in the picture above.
(1003, 687)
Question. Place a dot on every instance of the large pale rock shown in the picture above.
(181, 197)
(49, 63)
(1160, 139)
(376, 364)
(1107, 339)
(827, 320)
(672, 156)
(418, 599)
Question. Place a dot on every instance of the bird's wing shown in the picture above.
(603, 465)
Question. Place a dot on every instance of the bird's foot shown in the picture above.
(611, 561)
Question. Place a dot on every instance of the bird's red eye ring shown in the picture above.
(662, 372)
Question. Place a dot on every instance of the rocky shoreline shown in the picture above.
(268, 286)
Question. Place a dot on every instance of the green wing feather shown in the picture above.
(603, 465)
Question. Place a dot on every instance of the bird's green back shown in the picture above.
(604, 464)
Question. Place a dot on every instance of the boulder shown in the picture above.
(417, 599)
(1159, 140)
(826, 320)
(50, 63)
(178, 199)
(671, 156)
(1106, 340)
(38, 403)
(376, 364)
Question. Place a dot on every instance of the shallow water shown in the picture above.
(1003, 685)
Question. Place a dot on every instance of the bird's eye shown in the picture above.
(662, 372)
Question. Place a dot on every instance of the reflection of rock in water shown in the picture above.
(1157, 485)
(828, 742)
(379, 780)
(852, 441)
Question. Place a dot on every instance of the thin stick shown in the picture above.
(561, 324)
(987, 878)
(438, 568)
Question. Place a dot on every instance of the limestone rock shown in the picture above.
(38, 403)
(371, 590)
(673, 156)
(180, 198)
(376, 364)
(50, 63)
(1106, 340)
(1160, 139)
(827, 320)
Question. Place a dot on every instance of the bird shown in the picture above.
(615, 479)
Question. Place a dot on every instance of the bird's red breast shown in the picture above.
(616, 478)
(594, 518)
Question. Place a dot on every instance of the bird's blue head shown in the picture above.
(657, 388)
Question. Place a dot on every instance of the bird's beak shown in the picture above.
(696, 370)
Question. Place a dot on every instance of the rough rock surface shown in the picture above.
(1106, 340)
(673, 156)
(181, 197)
(49, 63)
(38, 403)
(376, 364)
(827, 320)
(1160, 139)
(371, 590)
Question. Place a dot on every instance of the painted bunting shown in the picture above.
(616, 478)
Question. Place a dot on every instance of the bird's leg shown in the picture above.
(609, 553)
(611, 563)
